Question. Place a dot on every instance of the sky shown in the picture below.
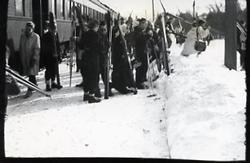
(143, 8)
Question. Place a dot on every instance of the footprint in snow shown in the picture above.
(146, 131)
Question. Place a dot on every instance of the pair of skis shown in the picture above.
(25, 82)
(241, 29)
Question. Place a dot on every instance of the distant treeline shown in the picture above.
(215, 18)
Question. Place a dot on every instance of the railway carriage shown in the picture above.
(21, 11)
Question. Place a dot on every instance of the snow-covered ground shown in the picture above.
(198, 114)
(65, 126)
(205, 104)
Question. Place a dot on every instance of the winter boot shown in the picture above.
(110, 90)
(98, 93)
(54, 85)
(80, 84)
(141, 86)
(86, 96)
(48, 88)
(28, 93)
(93, 99)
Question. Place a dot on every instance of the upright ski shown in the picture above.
(165, 46)
(109, 21)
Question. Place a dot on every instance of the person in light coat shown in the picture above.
(192, 37)
(30, 54)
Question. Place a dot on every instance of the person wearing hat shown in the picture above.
(91, 66)
(81, 51)
(103, 58)
(46, 26)
(30, 54)
(124, 27)
(197, 32)
(45, 30)
(141, 55)
(51, 56)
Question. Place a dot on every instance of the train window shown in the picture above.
(90, 12)
(62, 9)
(84, 10)
(94, 14)
(20, 6)
(71, 4)
(53, 7)
(67, 6)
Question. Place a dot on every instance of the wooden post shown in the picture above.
(153, 10)
(230, 34)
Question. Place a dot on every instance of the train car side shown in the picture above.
(21, 11)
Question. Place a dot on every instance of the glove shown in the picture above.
(60, 60)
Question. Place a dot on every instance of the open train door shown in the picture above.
(37, 12)
(40, 12)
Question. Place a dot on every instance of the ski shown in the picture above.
(165, 46)
(242, 30)
(71, 65)
(109, 21)
(73, 44)
(25, 82)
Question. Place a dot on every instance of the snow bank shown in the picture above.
(205, 104)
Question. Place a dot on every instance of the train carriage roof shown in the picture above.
(91, 4)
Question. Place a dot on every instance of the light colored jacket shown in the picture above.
(191, 38)
(30, 52)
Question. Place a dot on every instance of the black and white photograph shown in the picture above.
(146, 79)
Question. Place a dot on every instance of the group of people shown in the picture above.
(31, 53)
(133, 48)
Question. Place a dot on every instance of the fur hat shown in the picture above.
(141, 20)
(93, 23)
(200, 21)
(30, 24)
(52, 21)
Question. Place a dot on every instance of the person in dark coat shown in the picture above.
(141, 55)
(91, 62)
(120, 76)
(241, 44)
(51, 56)
(104, 47)
(151, 44)
(81, 51)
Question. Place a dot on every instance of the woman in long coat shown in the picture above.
(192, 37)
(30, 54)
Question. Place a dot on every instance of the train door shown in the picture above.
(37, 12)
(40, 12)
(45, 11)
